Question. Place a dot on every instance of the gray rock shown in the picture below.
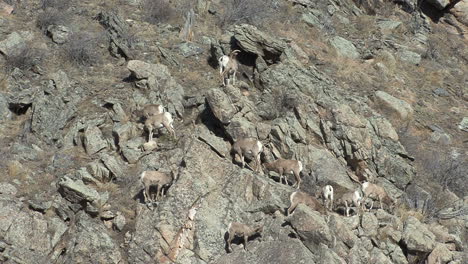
(59, 34)
(15, 43)
(440, 254)
(92, 242)
(218, 144)
(311, 227)
(409, 56)
(377, 256)
(93, 140)
(464, 124)
(5, 112)
(114, 165)
(417, 237)
(188, 49)
(311, 20)
(50, 116)
(252, 40)
(77, 191)
(441, 92)
(344, 47)
(158, 79)
(220, 105)
(342, 231)
(7, 189)
(131, 149)
(119, 33)
(274, 252)
(119, 222)
(394, 108)
(369, 224)
(439, 4)
(40, 206)
(98, 171)
(388, 24)
(240, 127)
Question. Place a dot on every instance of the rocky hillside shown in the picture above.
(357, 91)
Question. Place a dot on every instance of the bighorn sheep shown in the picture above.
(223, 61)
(158, 179)
(159, 121)
(152, 110)
(374, 191)
(327, 195)
(236, 229)
(350, 198)
(299, 197)
(250, 146)
(282, 166)
(231, 68)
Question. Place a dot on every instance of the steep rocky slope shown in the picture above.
(357, 91)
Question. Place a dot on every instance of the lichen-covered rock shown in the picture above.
(93, 140)
(77, 191)
(220, 105)
(344, 47)
(417, 237)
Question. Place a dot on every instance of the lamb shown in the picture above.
(152, 110)
(159, 121)
(231, 68)
(299, 197)
(236, 229)
(250, 146)
(158, 179)
(350, 198)
(286, 166)
(374, 191)
(327, 195)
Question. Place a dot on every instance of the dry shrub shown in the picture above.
(82, 48)
(157, 11)
(51, 17)
(56, 4)
(245, 11)
(24, 60)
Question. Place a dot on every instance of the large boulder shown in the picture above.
(417, 236)
(220, 105)
(311, 226)
(15, 43)
(76, 191)
(395, 109)
(344, 47)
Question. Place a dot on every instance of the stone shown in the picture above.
(59, 34)
(344, 47)
(188, 49)
(6, 9)
(409, 56)
(464, 124)
(5, 112)
(119, 33)
(216, 143)
(119, 221)
(7, 189)
(15, 43)
(150, 146)
(417, 236)
(439, 4)
(77, 191)
(395, 109)
(342, 231)
(93, 140)
(441, 92)
(311, 227)
(369, 224)
(220, 105)
(440, 254)
(385, 24)
(113, 164)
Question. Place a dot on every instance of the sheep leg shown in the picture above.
(347, 208)
(291, 208)
(245, 242)
(243, 161)
(230, 238)
(234, 78)
(298, 179)
(150, 135)
(158, 191)
(372, 204)
(258, 161)
(380, 201)
(145, 194)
